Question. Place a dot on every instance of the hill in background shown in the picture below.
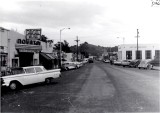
(89, 49)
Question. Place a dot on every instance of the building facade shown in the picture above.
(145, 51)
(18, 51)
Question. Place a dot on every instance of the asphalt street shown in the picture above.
(95, 88)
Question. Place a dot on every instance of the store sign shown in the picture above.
(27, 41)
(28, 51)
(33, 34)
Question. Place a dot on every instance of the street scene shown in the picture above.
(79, 56)
(95, 88)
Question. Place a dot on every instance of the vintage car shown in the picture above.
(29, 75)
(78, 64)
(68, 66)
(90, 60)
(118, 62)
(106, 61)
(134, 63)
(145, 64)
(125, 63)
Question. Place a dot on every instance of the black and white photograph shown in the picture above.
(80, 56)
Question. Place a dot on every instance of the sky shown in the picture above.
(97, 22)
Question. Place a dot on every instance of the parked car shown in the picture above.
(134, 63)
(68, 66)
(155, 62)
(145, 64)
(78, 64)
(106, 61)
(29, 75)
(85, 60)
(118, 62)
(125, 63)
(90, 60)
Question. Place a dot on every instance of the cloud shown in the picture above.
(52, 13)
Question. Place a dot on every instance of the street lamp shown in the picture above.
(123, 39)
(60, 46)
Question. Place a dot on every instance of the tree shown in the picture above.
(43, 38)
(64, 46)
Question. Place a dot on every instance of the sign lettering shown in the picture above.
(27, 41)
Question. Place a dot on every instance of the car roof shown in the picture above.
(31, 67)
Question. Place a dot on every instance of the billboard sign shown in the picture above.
(33, 34)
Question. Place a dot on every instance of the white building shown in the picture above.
(17, 51)
(145, 51)
(68, 57)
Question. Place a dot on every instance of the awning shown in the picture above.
(28, 48)
(48, 56)
(3, 54)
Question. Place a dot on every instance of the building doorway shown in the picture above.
(25, 59)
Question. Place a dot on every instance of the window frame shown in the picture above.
(139, 54)
(130, 54)
(38, 71)
(150, 56)
(30, 68)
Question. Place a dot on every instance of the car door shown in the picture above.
(31, 76)
(41, 74)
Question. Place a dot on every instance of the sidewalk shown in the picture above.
(156, 68)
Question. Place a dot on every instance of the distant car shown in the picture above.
(134, 63)
(68, 66)
(85, 60)
(125, 63)
(90, 60)
(106, 61)
(118, 62)
(145, 64)
(155, 62)
(78, 64)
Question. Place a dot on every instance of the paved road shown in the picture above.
(94, 88)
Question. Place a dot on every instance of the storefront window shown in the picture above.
(14, 62)
(148, 54)
(128, 54)
(157, 54)
(3, 60)
(139, 55)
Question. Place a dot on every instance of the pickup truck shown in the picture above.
(28, 75)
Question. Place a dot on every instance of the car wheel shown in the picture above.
(139, 68)
(148, 67)
(13, 86)
(48, 80)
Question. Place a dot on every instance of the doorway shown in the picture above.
(25, 59)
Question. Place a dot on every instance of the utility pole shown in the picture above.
(77, 47)
(137, 43)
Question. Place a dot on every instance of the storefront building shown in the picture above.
(145, 51)
(18, 51)
(3, 49)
